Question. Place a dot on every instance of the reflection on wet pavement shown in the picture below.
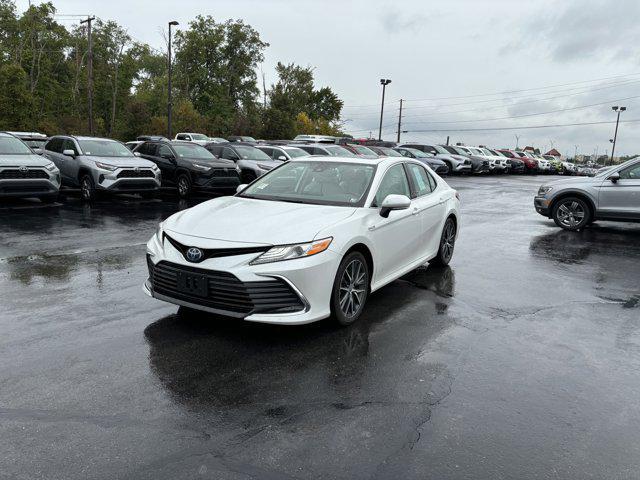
(519, 359)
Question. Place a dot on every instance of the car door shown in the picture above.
(53, 151)
(429, 208)
(166, 160)
(393, 238)
(70, 165)
(622, 198)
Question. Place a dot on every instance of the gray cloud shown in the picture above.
(587, 30)
(395, 22)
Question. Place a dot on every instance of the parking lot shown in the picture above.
(520, 360)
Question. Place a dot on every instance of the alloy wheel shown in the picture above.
(183, 187)
(570, 214)
(448, 240)
(353, 286)
(86, 188)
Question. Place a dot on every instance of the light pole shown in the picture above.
(615, 135)
(169, 103)
(384, 82)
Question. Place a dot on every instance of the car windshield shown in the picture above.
(497, 153)
(440, 149)
(508, 154)
(193, 151)
(485, 152)
(363, 150)
(199, 136)
(251, 153)
(389, 152)
(13, 146)
(315, 182)
(339, 152)
(35, 142)
(295, 152)
(248, 139)
(417, 153)
(104, 148)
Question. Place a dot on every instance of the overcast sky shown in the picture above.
(463, 49)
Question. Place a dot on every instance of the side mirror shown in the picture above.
(394, 202)
(614, 177)
(283, 158)
(241, 187)
(38, 151)
(69, 153)
(137, 154)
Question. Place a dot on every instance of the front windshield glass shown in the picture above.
(364, 150)
(389, 152)
(251, 153)
(13, 146)
(440, 149)
(417, 153)
(477, 151)
(104, 148)
(193, 151)
(339, 152)
(315, 182)
(604, 171)
(199, 136)
(486, 152)
(296, 152)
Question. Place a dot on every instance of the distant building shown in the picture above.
(554, 152)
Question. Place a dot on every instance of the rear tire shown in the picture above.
(350, 289)
(571, 213)
(447, 243)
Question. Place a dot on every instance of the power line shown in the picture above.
(523, 127)
(535, 114)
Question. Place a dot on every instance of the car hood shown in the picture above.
(252, 222)
(571, 181)
(216, 162)
(122, 161)
(433, 160)
(23, 160)
(446, 156)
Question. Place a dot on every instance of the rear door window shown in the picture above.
(419, 179)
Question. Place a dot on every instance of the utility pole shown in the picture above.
(575, 152)
(447, 140)
(384, 82)
(615, 135)
(517, 141)
(90, 71)
(169, 99)
(400, 121)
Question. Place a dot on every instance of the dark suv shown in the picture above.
(251, 161)
(189, 166)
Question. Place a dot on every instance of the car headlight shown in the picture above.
(159, 233)
(265, 167)
(238, 169)
(289, 252)
(106, 166)
(199, 166)
(544, 190)
(51, 167)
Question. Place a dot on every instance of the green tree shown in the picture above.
(16, 102)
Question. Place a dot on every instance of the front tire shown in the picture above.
(571, 213)
(184, 185)
(447, 243)
(350, 289)
(87, 188)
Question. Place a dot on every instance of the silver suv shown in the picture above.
(612, 194)
(25, 174)
(101, 165)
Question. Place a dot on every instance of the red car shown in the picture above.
(530, 164)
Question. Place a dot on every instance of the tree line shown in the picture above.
(43, 81)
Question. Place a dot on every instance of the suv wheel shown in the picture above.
(571, 213)
(184, 185)
(87, 188)
(350, 289)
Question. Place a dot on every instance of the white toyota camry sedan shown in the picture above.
(308, 240)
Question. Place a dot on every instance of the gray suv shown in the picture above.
(612, 194)
(25, 174)
(101, 165)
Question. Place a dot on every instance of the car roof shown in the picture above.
(356, 160)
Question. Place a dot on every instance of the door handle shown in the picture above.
(415, 211)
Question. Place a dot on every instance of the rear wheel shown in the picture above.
(571, 213)
(184, 185)
(350, 289)
(87, 188)
(447, 243)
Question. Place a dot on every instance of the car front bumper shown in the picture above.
(111, 182)
(30, 187)
(541, 204)
(310, 279)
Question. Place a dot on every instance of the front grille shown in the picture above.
(142, 173)
(225, 292)
(135, 186)
(215, 252)
(225, 173)
(22, 174)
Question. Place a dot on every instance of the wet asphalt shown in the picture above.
(520, 360)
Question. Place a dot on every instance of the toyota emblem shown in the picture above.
(23, 169)
(136, 169)
(194, 254)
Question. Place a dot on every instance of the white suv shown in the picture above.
(198, 138)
